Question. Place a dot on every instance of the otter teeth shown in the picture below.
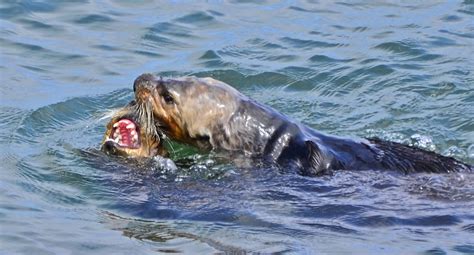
(125, 133)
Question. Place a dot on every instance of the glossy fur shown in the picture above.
(212, 115)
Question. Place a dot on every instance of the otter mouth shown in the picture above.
(125, 134)
(129, 133)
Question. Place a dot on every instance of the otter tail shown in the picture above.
(409, 159)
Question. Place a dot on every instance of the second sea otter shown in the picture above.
(132, 133)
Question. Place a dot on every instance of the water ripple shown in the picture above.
(307, 44)
(172, 29)
(403, 48)
(399, 71)
(198, 19)
(385, 221)
(93, 19)
(35, 24)
(323, 58)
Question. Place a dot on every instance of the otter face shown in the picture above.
(128, 134)
(187, 110)
(163, 103)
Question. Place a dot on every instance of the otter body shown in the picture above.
(212, 115)
(260, 131)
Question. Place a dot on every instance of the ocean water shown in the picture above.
(402, 71)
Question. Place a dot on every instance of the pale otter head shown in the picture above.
(131, 132)
(189, 109)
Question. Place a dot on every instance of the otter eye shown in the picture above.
(168, 98)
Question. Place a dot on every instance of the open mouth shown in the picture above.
(125, 134)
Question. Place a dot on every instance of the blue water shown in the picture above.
(402, 71)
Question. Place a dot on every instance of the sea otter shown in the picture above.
(212, 115)
(131, 132)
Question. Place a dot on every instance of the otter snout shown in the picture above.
(145, 81)
(109, 148)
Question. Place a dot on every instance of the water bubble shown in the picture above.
(198, 168)
(422, 141)
(209, 162)
(470, 151)
(389, 136)
(165, 164)
(455, 151)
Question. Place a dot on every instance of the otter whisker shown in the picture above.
(149, 124)
(132, 132)
(144, 112)
(110, 113)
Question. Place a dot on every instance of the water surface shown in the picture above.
(400, 71)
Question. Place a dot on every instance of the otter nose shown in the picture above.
(143, 81)
(109, 148)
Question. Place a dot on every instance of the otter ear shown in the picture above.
(316, 161)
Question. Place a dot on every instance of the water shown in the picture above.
(400, 71)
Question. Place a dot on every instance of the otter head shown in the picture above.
(131, 132)
(189, 110)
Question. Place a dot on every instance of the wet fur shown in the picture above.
(412, 159)
(210, 114)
